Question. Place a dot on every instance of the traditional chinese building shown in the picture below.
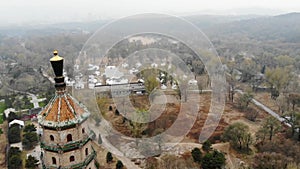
(66, 140)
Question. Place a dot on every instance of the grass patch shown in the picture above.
(42, 104)
(2, 108)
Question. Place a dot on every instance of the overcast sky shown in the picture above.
(52, 11)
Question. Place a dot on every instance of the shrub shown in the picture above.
(197, 155)
(109, 157)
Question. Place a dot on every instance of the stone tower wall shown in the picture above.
(61, 136)
(64, 158)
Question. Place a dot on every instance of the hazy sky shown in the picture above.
(51, 11)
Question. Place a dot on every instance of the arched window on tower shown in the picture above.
(86, 151)
(69, 137)
(51, 137)
(83, 130)
(54, 160)
(72, 158)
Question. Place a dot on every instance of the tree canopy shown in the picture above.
(213, 160)
(14, 134)
(109, 157)
(14, 158)
(197, 155)
(238, 135)
(31, 162)
(269, 128)
(119, 165)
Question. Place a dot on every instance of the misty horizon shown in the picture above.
(49, 12)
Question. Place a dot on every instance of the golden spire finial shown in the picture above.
(55, 52)
(56, 57)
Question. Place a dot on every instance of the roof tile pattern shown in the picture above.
(63, 110)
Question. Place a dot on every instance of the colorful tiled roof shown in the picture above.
(63, 110)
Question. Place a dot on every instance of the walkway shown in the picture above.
(34, 100)
(265, 108)
(258, 104)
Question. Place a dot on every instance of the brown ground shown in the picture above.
(230, 115)
(3, 140)
(265, 98)
(164, 121)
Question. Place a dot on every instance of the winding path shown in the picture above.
(34, 100)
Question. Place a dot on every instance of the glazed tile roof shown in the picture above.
(62, 110)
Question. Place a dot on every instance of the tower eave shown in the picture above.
(63, 124)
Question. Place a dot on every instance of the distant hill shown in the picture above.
(284, 28)
(208, 21)
(50, 29)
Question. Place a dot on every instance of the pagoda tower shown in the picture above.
(66, 139)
